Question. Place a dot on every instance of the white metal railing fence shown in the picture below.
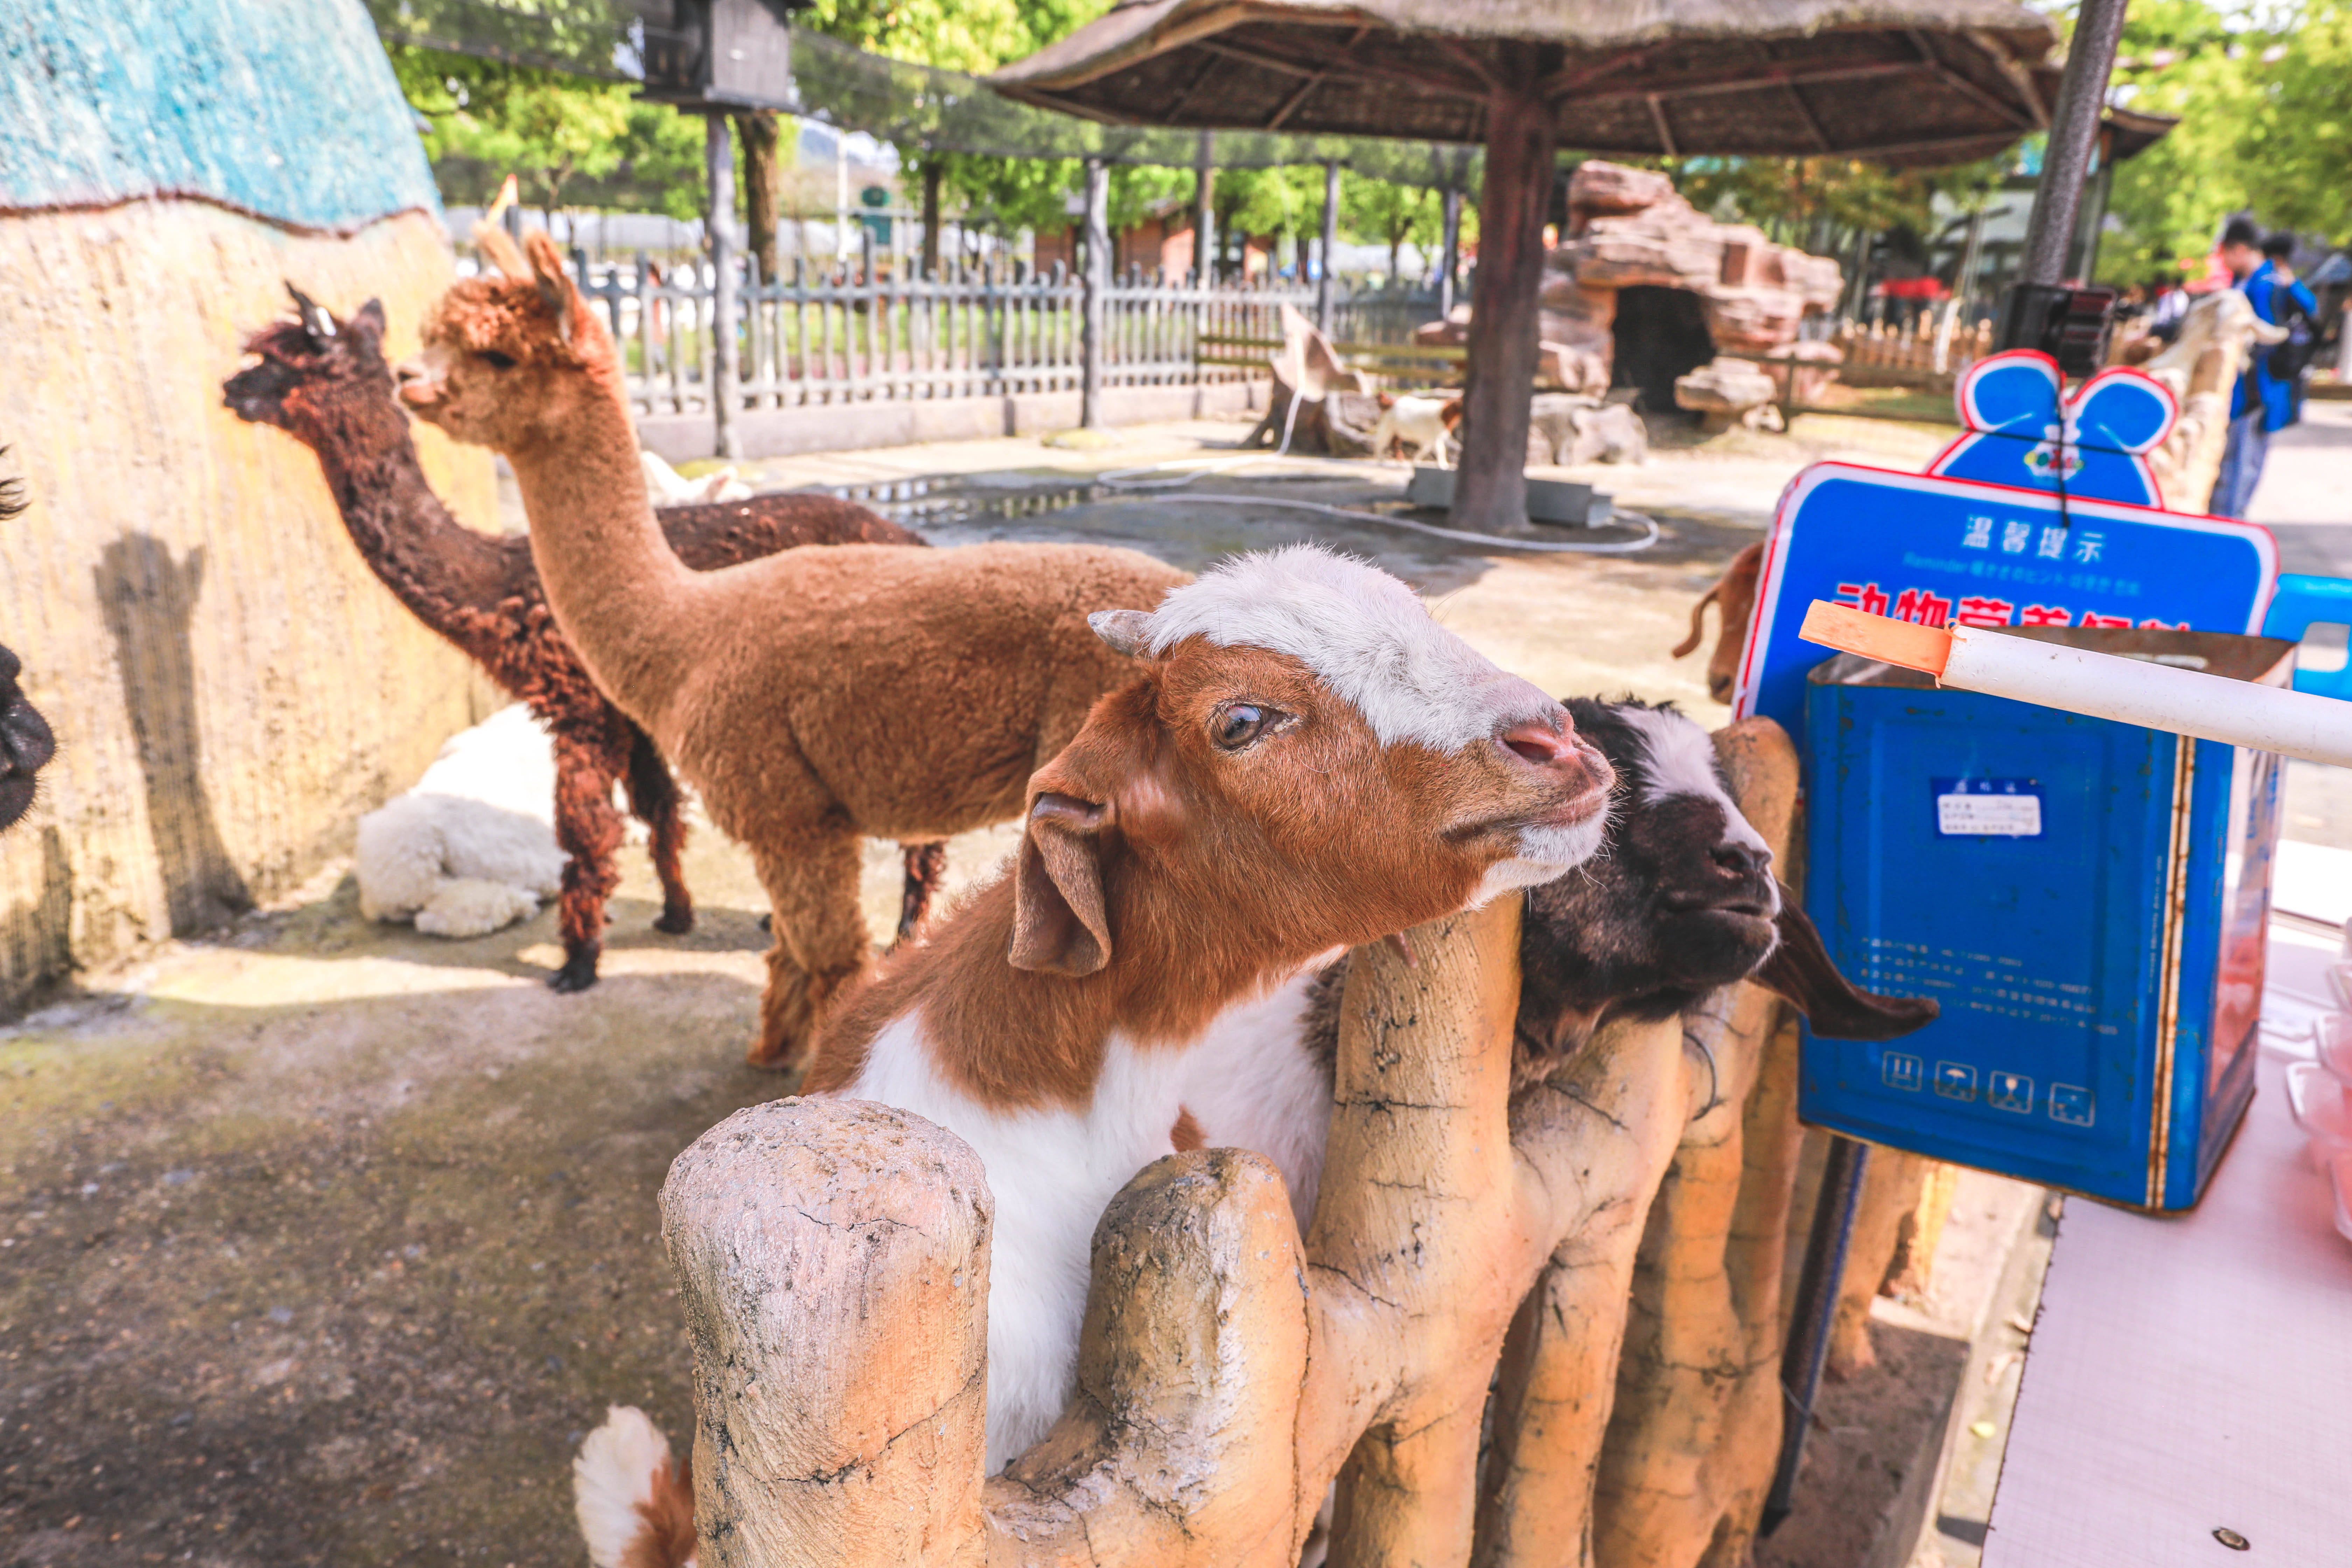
(856, 331)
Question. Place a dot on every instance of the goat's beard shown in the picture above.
(1545, 854)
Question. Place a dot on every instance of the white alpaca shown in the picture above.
(669, 487)
(472, 848)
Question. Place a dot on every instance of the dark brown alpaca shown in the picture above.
(325, 382)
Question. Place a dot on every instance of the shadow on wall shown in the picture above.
(39, 931)
(148, 601)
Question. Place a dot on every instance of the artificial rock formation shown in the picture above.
(834, 1266)
(1628, 228)
(1725, 392)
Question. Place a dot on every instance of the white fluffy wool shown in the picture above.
(471, 848)
(669, 487)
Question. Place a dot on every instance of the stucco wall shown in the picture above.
(229, 685)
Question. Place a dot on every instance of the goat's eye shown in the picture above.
(499, 361)
(1238, 723)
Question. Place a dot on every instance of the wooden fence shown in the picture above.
(858, 331)
(1929, 352)
(1601, 1250)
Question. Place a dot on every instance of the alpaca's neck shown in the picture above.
(619, 592)
(432, 562)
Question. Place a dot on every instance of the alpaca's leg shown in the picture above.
(589, 830)
(820, 937)
(926, 865)
(652, 796)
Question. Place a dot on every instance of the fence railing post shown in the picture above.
(793, 1228)
(1093, 285)
(718, 224)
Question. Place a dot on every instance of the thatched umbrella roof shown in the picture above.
(1897, 81)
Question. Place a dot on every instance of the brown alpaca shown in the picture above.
(324, 380)
(783, 688)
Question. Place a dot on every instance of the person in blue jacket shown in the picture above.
(2263, 403)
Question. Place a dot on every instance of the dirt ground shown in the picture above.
(323, 1242)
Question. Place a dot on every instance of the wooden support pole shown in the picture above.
(1490, 488)
(1094, 288)
(718, 224)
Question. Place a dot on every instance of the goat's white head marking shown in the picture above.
(1364, 634)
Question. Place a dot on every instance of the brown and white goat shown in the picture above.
(1306, 761)
(1679, 901)
(1734, 598)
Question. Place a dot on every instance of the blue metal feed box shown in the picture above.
(2086, 898)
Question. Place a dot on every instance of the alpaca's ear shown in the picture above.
(553, 281)
(1128, 631)
(499, 246)
(1060, 925)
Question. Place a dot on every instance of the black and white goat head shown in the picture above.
(1681, 900)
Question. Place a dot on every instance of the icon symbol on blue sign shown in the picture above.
(2070, 1103)
(2009, 1091)
(1955, 1080)
(1902, 1072)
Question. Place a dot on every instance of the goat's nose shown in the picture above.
(1741, 859)
(1539, 743)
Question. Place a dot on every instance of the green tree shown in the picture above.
(2181, 56)
(2296, 152)
(564, 136)
(1385, 213)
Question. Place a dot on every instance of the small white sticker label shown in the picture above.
(1989, 816)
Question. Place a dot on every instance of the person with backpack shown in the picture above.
(2268, 396)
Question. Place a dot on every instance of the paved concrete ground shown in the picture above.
(325, 1242)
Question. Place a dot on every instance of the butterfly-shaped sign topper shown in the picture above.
(2024, 434)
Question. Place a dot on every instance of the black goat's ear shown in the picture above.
(1800, 970)
(369, 318)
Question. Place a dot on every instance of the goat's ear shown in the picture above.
(1800, 970)
(369, 318)
(1060, 924)
(1128, 631)
(553, 281)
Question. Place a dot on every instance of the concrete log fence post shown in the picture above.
(831, 1258)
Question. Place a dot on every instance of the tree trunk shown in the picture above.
(762, 180)
(1205, 211)
(931, 214)
(1449, 271)
(1490, 493)
(1328, 281)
